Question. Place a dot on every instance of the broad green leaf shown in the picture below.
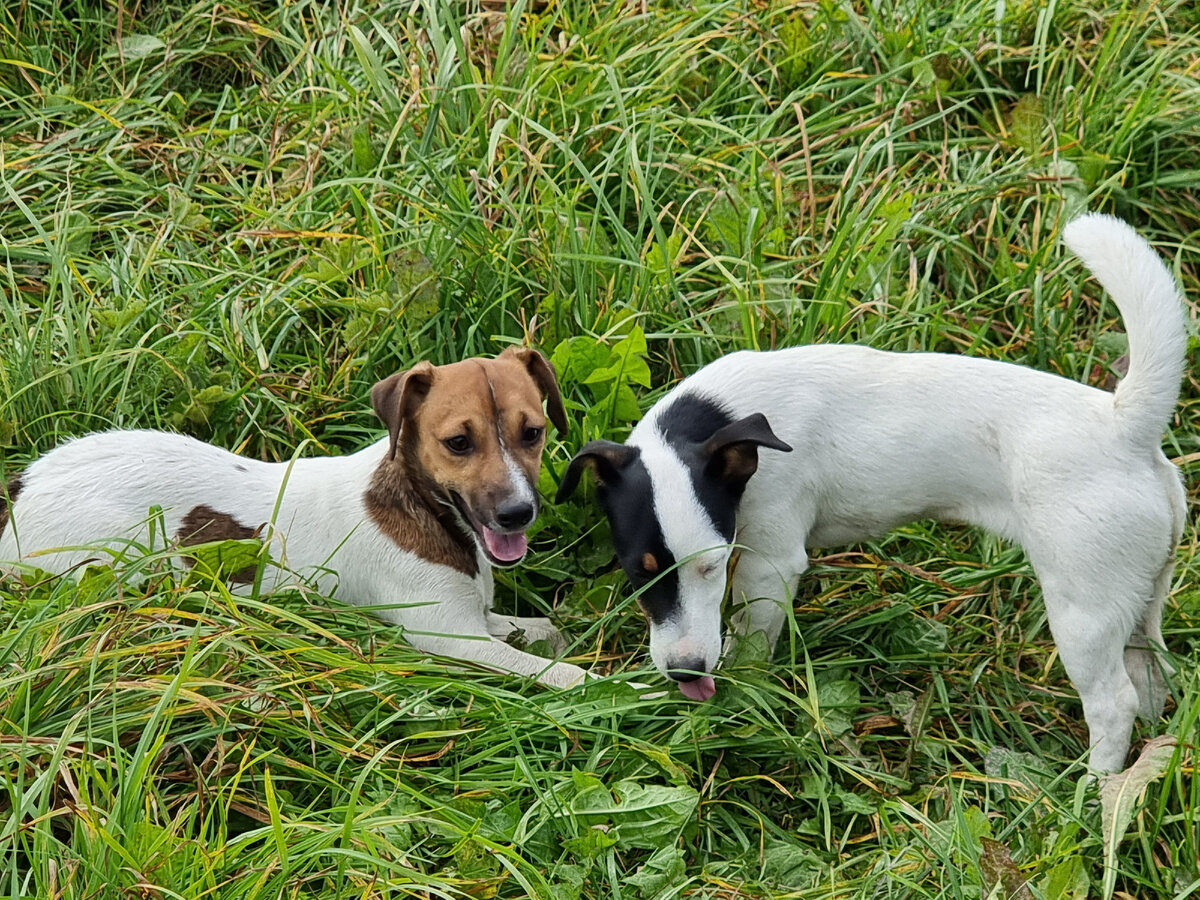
(363, 151)
(566, 881)
(222, 559)
(1119, 792)
(633, 814)
(797, 45)
(855, 803)
(1013, 765)
(664, 869)
(978, 824)
(654, 814)
(575, 358)
(1000, 871)
(790, 865)
(139, 46)
(1028, 123)
(660, 261)
(592, 842)
(625, 407)
(838, 702)
(1067, 880)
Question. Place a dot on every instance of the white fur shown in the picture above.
(1074, 474)
(522, 490)
(97, 492)
(696, 632)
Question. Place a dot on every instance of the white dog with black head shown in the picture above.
(859, 441)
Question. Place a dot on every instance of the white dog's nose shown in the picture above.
(688, 669)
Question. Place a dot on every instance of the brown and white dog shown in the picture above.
(411, 525)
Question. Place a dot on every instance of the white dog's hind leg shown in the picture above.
(1147, 668)
(1144, 661)
(1093, 655)
(1091, 626)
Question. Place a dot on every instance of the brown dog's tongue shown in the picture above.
(505, 548)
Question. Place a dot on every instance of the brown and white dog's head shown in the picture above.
(474, 431)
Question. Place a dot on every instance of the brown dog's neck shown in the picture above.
(403, 503)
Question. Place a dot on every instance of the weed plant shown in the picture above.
(231, 218)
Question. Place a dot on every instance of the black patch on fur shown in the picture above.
(692, 419)
(629, 505)
(8, 498)
(686, 425)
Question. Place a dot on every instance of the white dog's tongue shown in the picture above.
(504, 547)
(703, 688)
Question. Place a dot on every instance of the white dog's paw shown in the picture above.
(547, 633)
(523, 631)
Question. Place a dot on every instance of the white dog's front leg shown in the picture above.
(495, 654)
(761, 595)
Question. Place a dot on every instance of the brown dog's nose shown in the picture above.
(514, 515)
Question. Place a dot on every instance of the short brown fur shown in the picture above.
(205, 525)
(490, 401)
(406, 512)
(11, 492)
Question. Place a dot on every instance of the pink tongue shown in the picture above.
(703, 688)
(504, 547)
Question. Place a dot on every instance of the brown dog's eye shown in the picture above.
(532, 434)
(459, 445)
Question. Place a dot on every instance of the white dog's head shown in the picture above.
(671, 496)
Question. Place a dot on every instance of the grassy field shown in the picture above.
(231, 218)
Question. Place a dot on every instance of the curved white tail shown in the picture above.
(1151, 305)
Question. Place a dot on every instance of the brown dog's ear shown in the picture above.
(397, 396)
(543, 376)
(604, 458)
(732, 451)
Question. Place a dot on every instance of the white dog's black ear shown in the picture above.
(604, 458)
(732, 452)
(395, 398)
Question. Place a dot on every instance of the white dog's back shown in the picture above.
(71, 509)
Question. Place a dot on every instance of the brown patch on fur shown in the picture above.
(205, 525)
(406, 510)
(649, 563)
(8, 498)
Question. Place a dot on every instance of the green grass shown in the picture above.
(230, 219)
